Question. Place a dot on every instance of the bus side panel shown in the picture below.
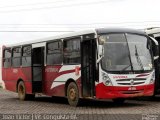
(10, 83)
(27, 78)
(56, 78)
(12, 75)
(79, 85)
(50, 73)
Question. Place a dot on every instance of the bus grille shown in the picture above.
(134, 81)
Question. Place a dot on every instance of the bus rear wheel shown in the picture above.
(22, 92)
(72, 94)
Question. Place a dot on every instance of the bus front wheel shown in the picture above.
(72, 94)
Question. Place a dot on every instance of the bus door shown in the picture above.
(156, 65)
(88, 67)
(37, 69)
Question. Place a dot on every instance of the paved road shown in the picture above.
(131, 109)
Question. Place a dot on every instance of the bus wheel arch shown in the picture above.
(72, 92)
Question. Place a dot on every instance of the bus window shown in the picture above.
(72, 51)
(54, 53)
(16, 57)
(7, 58)
(26, 56)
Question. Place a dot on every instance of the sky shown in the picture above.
(25, 20)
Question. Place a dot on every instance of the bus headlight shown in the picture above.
(152, 78)
(106, 80)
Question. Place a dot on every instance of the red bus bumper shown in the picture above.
(111, 92)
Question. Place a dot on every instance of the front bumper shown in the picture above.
(111, 92)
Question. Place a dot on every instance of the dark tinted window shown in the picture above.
(26, 56)
(7, 53)
(17, 52)
(54, 53)
(7, 58)
(72, 51)
(54, 47)
(27, 50)
(16, 57)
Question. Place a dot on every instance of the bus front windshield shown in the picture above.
(126, 52)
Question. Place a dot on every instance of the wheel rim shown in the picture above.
(72, 94)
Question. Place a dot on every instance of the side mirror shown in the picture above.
(100, 52)
(155, 49)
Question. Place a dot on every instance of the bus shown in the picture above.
(154, 32)
(104, 63)
(1, 82)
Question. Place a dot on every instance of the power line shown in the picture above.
(78, 24)
(34, 31)
(35, 4)
(72, 27)
(79, 27)
(70, 5)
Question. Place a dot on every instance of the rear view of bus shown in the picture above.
(125, 65)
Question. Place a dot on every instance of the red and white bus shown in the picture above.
(1, 82)
(98, 64)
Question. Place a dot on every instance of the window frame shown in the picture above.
(78, 38)
(20, 57)
(26, 56)
(61, 51)
(4, 58)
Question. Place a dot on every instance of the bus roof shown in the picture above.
(119, 30)
(54, 37)
(79, 33)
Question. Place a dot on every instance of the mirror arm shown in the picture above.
(154, 40)
(156, 43)
(99, 59)
(101, 53)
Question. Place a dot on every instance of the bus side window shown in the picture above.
(16, 57)
(54, 53)
(7, 58)
(26, 56)
(71, 51)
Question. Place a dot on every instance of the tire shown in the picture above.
(72, 94)
(119, 100)
(22, 92)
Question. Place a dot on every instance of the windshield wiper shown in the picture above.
(130, 65)
(125, 68)
(138, 58)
